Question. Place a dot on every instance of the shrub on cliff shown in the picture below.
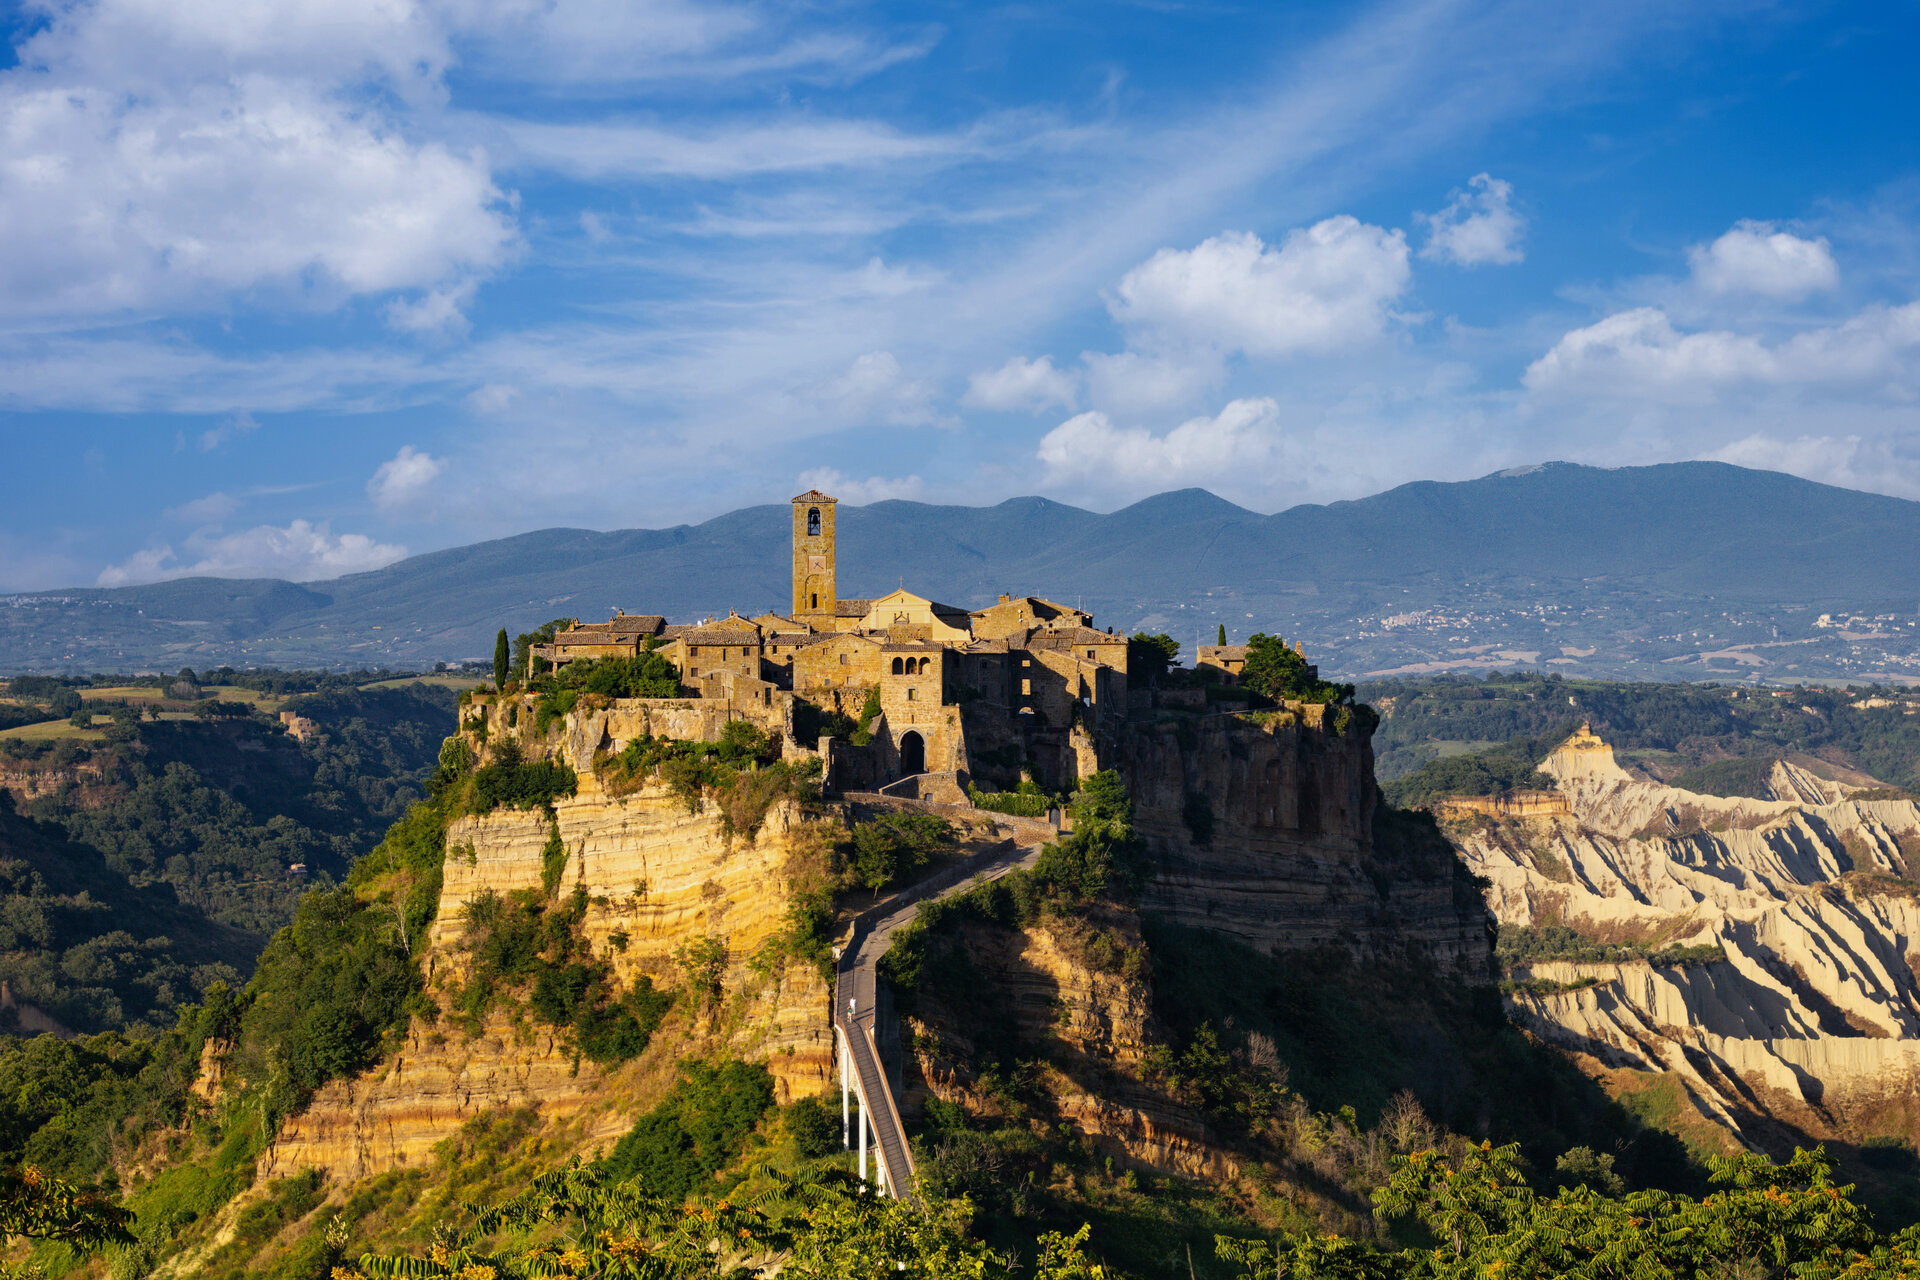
(522, 942)
(518, 783)
(1275, 671)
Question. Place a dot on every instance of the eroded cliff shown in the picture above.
(1811, 1019)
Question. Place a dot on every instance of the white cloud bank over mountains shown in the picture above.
(301, 552)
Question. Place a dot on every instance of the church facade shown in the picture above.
(1024, 684)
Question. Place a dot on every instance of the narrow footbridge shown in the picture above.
(862, 1074)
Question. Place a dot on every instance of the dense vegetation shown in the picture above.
(1541, 943)
(1510, 767)
(1673, 726)
(1275, 671)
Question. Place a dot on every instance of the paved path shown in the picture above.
(856, 982)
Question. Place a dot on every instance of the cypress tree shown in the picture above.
(1223, 634)
(500, 659)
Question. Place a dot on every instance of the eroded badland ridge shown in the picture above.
(1783, 935)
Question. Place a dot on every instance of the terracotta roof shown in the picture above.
(720, 635)
(1070, 638)
(814, 495)
(636, 623)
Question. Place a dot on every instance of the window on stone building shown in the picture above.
(910, 694)
(896, 666)
(816, 600)
(843, 659)
(1026, 688)
(1089, 653)
(813, 522)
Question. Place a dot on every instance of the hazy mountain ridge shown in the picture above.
(1522, 567)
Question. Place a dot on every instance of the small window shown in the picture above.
(813, 522)
(843, 659)
(1026, 688)
(910, 693)
(816, 600)
(896, 666)
(1089, 653)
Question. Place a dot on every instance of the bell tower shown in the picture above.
(813, 589)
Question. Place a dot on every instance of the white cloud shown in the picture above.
(1132, 384)
(603, 150)
(1640, 354)
(402, 480)
(166, 156)
(1326, 286)
(1021, 383)
(494, 397)
(235, 425)
(1089, 449)
(1478, 226)
(302, 552)
(439, 311)
(208, 510)
(861, 492)
(1756, 257)
(875, 389)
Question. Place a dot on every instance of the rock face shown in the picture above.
(657, 877)
(1813, 1019)
(1264, 830)
(1095, 1021)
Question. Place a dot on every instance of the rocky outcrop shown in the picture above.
(1065, 988)
(1813, 1017)
(657, 876)
(1261, 826)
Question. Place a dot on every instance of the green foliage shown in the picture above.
(1746, 777)
(1275, 671)
(1027, 801)
(328, 990)
(704, 962)
(524, 941)
(646, 675)
(37, 1207)
(815, 1131)
(1501, 769)
(696, 1131)
(519, 783)
(553, 860)
(542, 634)
(1484, 1219)
(812, 722)
(1221, 639)
(502, 658)
(742, 772)
(1149, 656)
(579, 1222)
(869, 712)
(883, 849)
(1538, 944)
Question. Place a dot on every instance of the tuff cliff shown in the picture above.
(1263, 827)
(1809, 1024)
(657, 876)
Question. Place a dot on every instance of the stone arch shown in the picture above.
(923, 665)
(913, 753)
(897, 667)
(813, 522)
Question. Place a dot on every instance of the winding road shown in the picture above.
(856, 982)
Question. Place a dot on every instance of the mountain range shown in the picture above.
(1661, 570)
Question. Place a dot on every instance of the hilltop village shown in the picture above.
(1024, 682)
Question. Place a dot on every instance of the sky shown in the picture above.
(296, 288)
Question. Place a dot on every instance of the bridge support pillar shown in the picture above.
(846, 1129)
(863, 1144)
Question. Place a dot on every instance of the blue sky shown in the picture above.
(296, 287)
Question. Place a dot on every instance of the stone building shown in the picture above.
(1023, 684)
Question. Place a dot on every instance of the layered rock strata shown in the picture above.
(1261, 827)
(1812, 1019)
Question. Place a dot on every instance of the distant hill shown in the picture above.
(1654, 569)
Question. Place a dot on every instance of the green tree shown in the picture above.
(1278, 672)
(1149, 656)
(502, 655)
(1222, 638)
